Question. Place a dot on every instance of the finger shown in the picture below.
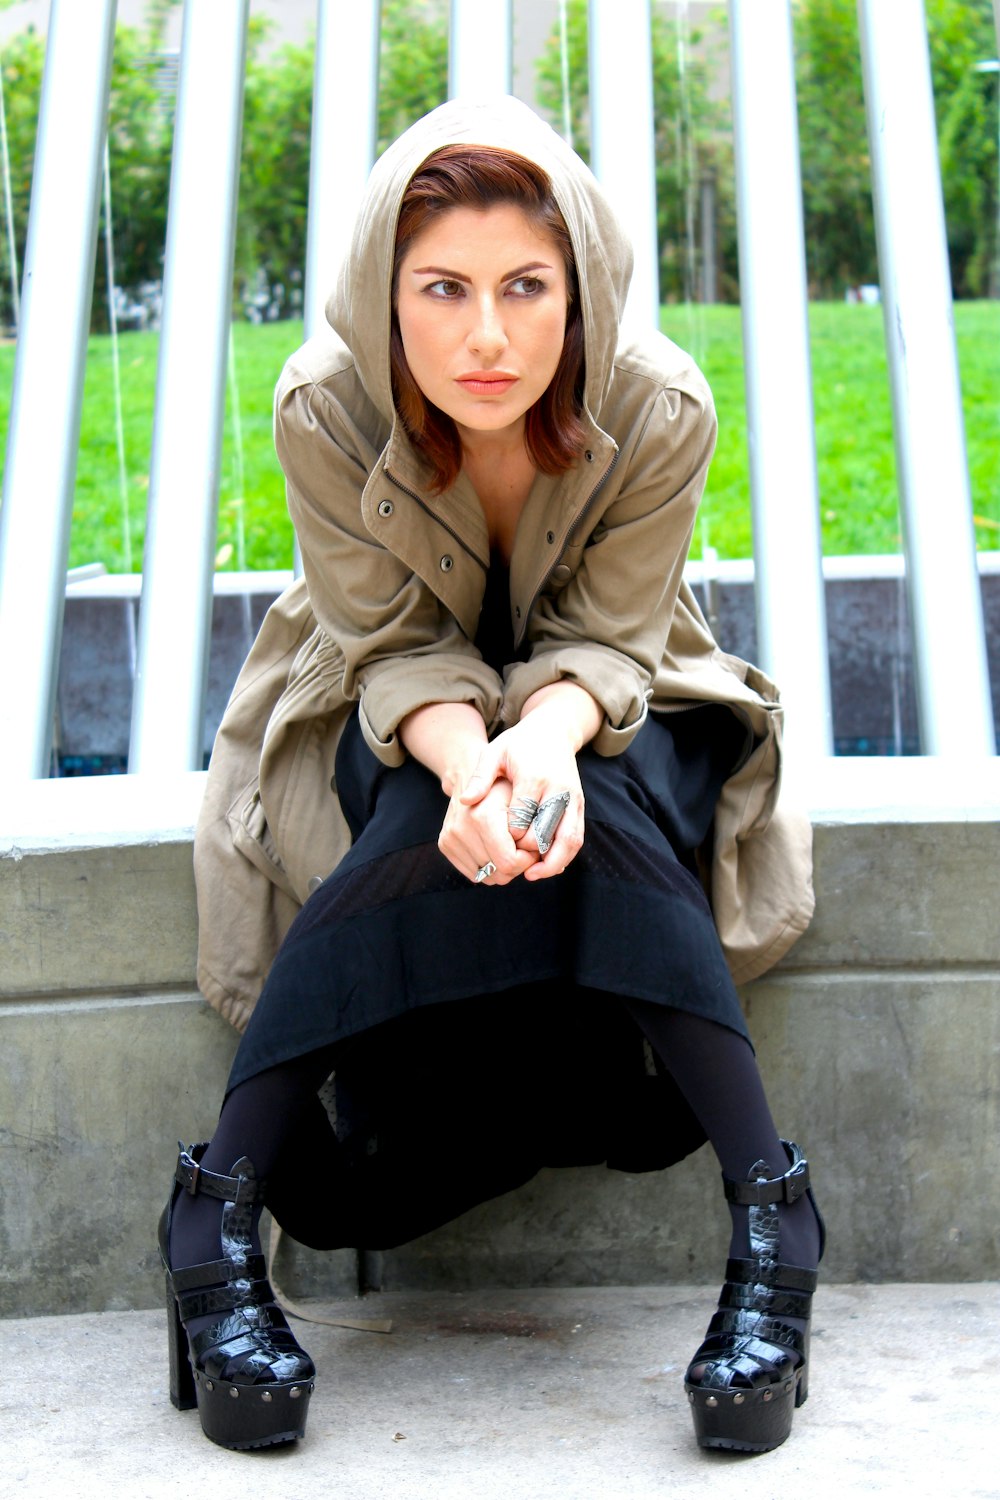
(565, 846)
(547, 818)
(489, 768)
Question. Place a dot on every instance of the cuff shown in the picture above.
(611, 679)
(391, 690)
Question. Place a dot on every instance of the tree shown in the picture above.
(833, 143)
(962, 36)
(690, 135)
(22, 62)
(277, 123)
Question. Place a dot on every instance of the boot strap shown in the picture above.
(789, 1188)
(195, 1179)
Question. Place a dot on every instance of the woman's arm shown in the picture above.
(607, 628)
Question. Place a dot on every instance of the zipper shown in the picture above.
(433, 515)
(577, 521)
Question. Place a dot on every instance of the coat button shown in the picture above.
(562, 573)
(589, 456)
(550, 537)
(385, 507)
(447, 563)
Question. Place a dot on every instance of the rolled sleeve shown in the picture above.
(393, 689)
(608, 676)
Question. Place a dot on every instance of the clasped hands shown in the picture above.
(523, 766)
(489, 783)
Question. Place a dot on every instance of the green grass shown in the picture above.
(853, 436)
(854, 444)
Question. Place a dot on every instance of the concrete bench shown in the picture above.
(879, 1037)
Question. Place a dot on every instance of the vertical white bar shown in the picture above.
(44, 429)
(949, 644)
(622, 130)
(480, 59)
(176, 611)
(344, 129)
(791, 614)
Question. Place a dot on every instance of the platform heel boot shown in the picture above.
(752, 1369)
(244, 1371)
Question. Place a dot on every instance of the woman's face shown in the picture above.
(481, 302)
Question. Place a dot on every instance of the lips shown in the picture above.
(487, 382)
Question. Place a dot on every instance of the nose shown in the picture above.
(487, 336)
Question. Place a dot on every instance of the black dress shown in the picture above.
(479, 1031)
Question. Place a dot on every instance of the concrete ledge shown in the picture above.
(879, 1037)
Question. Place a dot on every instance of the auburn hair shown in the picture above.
(480, 177)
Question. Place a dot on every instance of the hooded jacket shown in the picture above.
(385, 616)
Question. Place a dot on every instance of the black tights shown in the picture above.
(714, 1068)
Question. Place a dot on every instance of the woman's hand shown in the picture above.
(449, 738)
(477, 834)
(533, 760)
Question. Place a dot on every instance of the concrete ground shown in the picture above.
(571, 1394)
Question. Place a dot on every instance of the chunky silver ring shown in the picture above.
(485, 871)
(547, 820)
(522, 813)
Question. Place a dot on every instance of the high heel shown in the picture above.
(245, 1372)
(752, 1369)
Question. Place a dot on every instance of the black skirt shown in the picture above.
(480, 1032)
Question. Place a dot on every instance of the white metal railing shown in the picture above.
(175, 615)
(176, 606)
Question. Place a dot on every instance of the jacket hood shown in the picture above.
(359, 308)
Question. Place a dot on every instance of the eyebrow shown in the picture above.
(535, 265)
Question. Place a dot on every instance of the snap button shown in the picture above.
(447, 563)
(550, 537)
(589, 456)
(562, 573)
(385, 507)
(315, 881)
(517, 611)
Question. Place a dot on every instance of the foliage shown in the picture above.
(277, 118)
(139, 127)
(835, 160)
(693, 138)
(833, 142)
(274, 175)
(413, 67)
(277, 123)
(22, 60)
(967, 103)
(690, 142)
(140, 124)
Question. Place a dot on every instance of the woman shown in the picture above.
(494, 499)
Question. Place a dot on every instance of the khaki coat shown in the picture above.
(384, 618)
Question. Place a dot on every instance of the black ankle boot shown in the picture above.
(244, 1371)
(752, 1369)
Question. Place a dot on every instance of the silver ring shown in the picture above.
(522, 814)
(485, 871)
(547, 820)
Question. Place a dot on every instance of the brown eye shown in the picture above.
(447, 291)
